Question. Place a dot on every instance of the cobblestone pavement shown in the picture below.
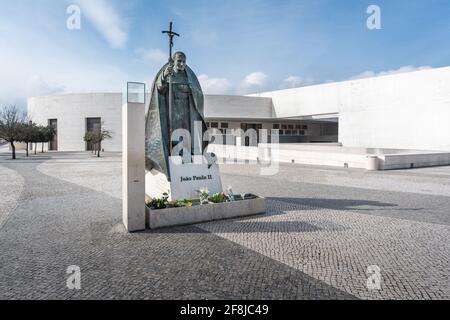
(315, 242)
(10, 194)
(337, 247)
(57, 224)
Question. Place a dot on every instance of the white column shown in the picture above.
(133, 166)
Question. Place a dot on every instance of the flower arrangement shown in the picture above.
(203, 195)
(229, 194)
(218, 198)
(204, 199)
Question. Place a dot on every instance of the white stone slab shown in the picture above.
(203, 213)
(156, 184)
(188, 178)
(133, 166)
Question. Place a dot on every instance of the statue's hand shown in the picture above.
(169, 71)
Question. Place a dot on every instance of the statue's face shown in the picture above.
(180, 63)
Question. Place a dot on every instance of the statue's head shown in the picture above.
(179, 59)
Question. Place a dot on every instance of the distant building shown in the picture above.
(400, 111)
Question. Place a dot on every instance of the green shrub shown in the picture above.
(218, 198)
(159, 203)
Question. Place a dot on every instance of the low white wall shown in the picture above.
(396, 161)
(332, 155)
(290, 155)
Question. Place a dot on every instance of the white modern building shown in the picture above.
(399, 111)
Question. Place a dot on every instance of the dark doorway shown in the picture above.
(92, 125)
(248, 126)
(53, 145)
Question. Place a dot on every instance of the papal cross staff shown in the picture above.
(171, 35)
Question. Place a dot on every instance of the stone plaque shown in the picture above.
(188, 178)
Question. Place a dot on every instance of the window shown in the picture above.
(276, 126)
(283, 126)
(288, 131)
(295, 132)
(224, 125)
(281, 132)
(297, 126)
(302, 133)
(304, 127)
(214, 125)
(291, 126)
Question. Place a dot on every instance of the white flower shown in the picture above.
(204, 190)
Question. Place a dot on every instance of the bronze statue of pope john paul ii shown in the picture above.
(187, 105)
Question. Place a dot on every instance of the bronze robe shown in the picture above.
(187, 107)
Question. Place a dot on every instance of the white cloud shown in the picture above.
(292, 82)
(295, 82)
(214, 85)
(152, 56)
(252, 82)
(370, 74)
(255, 79)
(106, 20)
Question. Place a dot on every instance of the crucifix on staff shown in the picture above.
(171, 35)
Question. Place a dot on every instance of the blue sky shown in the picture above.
(234, 46)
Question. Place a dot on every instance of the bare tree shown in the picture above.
(10, 126)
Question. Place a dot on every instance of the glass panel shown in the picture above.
(136, 92)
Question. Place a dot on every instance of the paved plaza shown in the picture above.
(323, 228)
